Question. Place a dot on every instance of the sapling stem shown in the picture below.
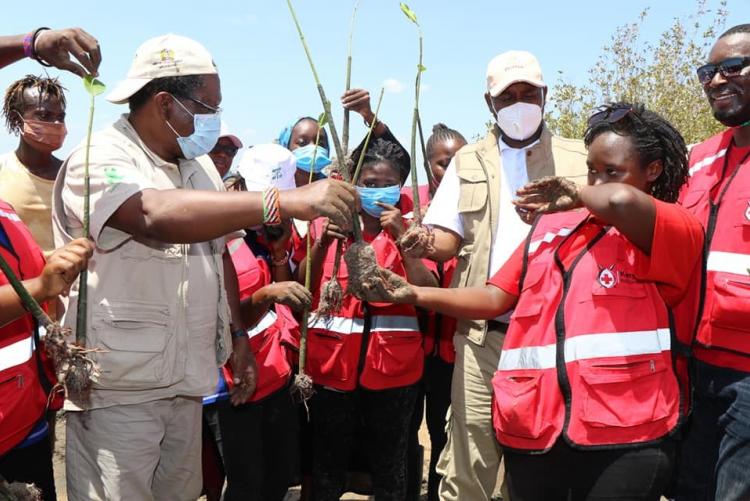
(348, 83)
(361, 158)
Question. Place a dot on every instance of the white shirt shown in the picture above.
(443, 209)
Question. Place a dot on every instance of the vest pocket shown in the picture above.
(519, 404)
(136, 336)
(396, 355)
(624, 393)
(472, 190)
(730, 316)
(328, 357)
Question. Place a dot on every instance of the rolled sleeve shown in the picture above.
(113, 179)
(443, 210)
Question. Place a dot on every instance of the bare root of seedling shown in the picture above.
(76, 370)
(331, 297)
(18, 491)
(367, 280)
(417, 241)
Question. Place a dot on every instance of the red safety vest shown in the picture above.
(723, 334)
(393, 356)
(23, 400)
(587, 353)
(438, 336)
(275, 336)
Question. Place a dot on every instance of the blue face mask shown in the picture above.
(368, 196)
(206, 132)
(304, 156)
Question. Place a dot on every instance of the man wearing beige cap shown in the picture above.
(472, 218)
(161, 285)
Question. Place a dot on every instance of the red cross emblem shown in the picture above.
(607, 279)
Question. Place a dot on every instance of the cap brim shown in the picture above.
(498, 89)
(124, 90)
(235, 140)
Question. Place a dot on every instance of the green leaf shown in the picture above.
(421, 68)
(93, 86)
(322, 119)
(409, 13)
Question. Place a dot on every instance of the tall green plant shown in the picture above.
(94, 87)
(348, 83)
(415, 116)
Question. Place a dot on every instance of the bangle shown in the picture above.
(28, 45)
(34, 54)
(368, 125)
(238, 333)
(280, 262)
(271, 207)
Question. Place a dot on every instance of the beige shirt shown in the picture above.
(30, 196)
(158, 309)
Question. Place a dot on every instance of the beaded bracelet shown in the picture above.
(28, 45)
(281, 262)
(271, 207)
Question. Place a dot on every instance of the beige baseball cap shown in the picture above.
(163, 56)
(512, 67)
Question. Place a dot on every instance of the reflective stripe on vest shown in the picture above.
(548, 238)
(16, 353)
(264, 323)
(728, 262)
(707, 161)
(380, 323)
(614, 344)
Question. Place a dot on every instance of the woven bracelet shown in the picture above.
(271, 207)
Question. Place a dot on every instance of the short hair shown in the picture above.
(440, 133)
(381, 150)
(734, 30)
(654, 138)
(182, 86)
(14, 104)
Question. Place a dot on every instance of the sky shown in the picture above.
(266, 81)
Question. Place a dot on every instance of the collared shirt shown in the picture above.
(444, 212)
(158, 309)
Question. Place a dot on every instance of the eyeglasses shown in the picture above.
(729, 68)
(209, 108)
(610, 114)
(226, 149)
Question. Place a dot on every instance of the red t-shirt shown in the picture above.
(670, 266)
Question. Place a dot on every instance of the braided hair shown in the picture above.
(14, 104)
(441, 133)
(381, 150)
(654, 138)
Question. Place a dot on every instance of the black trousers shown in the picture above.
(32, 465)
(564, 473)
(259, 443)
(433, 401)
(384, 416)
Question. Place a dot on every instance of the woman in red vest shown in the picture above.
(586, 395)
(25, 375)
(366, 359)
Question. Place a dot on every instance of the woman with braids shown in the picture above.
(34, 109)
(366, 358)
(587, 394)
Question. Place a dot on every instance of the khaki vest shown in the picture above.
(478, 168)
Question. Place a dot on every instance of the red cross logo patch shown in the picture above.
(607, 278)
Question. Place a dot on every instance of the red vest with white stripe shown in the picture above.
(723, 334)
(276, 334)
(587, 354)
(393, 356)
(22, 398)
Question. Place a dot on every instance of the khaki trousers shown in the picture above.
(144, 452)
(470, 462)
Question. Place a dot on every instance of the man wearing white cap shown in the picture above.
(161, 285)
(472, 218)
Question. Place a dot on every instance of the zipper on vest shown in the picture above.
(363, 348)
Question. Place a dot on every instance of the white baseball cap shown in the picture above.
(163, 56)
(267, 165)
(512, 67)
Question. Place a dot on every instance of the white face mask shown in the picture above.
(519, 121)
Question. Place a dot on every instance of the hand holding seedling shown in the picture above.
(391, 220)
(291, 294)
(330, 198)
(55, 47)
(358, 101)
(62, 269)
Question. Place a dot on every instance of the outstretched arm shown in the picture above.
(55, 47)
(477, 303)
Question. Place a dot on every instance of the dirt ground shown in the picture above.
(293, 495)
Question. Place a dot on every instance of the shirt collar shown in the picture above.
(503, 146)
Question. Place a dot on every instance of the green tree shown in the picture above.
(660, 74)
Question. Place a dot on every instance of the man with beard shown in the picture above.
(715, 456)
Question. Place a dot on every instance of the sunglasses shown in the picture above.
(610, 114)
(227, 150)
(729, 68)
